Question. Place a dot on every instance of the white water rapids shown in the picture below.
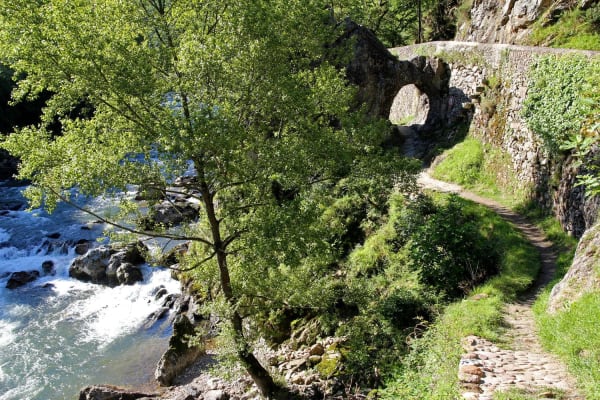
(58, 334)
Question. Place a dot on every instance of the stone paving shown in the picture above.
(486, 368)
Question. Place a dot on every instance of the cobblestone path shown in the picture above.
(485, 367)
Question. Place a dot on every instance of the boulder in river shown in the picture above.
(128, 274)
(48, 267)
(108, 266)
(21, 278)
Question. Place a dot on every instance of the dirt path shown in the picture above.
(485, 367)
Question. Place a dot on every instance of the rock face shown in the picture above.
(107, 392)
(510, 21)
(107, 266)
(179, 355)
(583, 276)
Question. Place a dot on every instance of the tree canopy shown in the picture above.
(239, 93)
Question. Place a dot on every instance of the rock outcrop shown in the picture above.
(583, 276)
(109, 266)
(510, 21)
(108, 392)
(180, 353)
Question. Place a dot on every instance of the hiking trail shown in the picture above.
(485, 367)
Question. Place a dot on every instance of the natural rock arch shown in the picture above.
(380, 76)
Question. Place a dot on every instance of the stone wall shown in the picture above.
(491, 82)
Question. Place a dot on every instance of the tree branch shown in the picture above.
(153, 234)
(196, 264)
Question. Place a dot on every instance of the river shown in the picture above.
(58, 334)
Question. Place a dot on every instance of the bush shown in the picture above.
(427, 250)
(450, 252)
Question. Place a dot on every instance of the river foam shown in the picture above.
(58, 334)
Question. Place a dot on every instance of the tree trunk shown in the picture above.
(259, 374)
(420, 18)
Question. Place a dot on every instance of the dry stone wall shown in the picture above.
(490, 81)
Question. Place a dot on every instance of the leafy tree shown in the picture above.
(401, 22)
(237, 90)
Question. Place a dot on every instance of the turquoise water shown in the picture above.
(58, 334)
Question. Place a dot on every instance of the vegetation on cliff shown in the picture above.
(563, 107)
(573, 28)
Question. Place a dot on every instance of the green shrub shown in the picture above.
(450, 252)
(555, 107)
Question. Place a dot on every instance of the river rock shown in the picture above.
(179, 355)
(82, 247)
(108, 266)
(170, 213)
(21, 278)
(91, 267)
(108, 392)
(48, 267)
(155, 316)
(128, 274)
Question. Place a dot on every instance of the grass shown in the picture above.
(518, 394)
(483, 169)
(575, 29)
(571, 334)
(430, 369)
